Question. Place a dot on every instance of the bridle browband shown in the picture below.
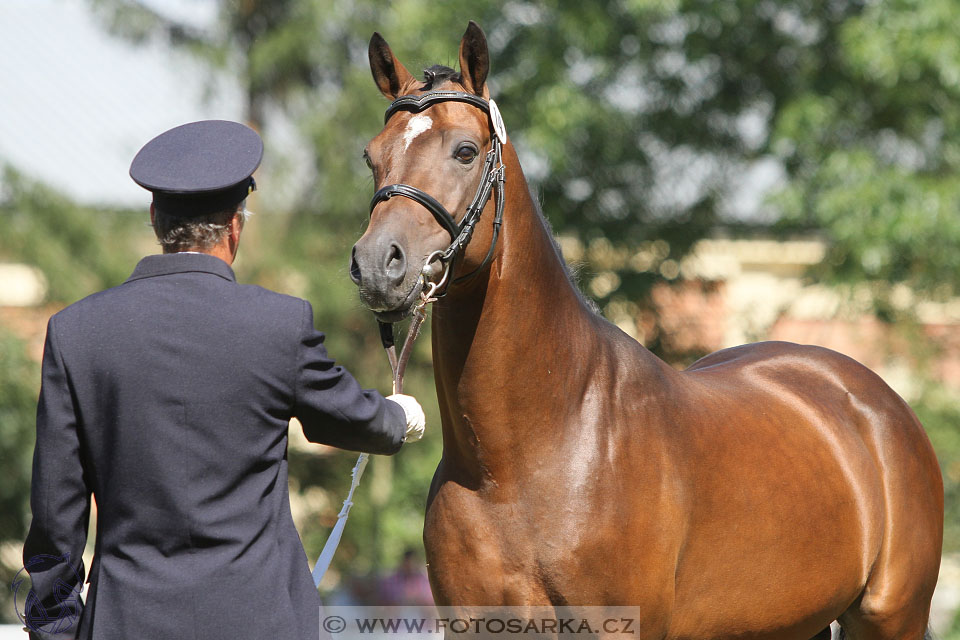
(492, 175)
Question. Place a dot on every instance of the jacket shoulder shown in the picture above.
(245, 303)
(272, 300)
(87, 303)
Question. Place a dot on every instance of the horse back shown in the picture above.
(813, 402)
(789, 379)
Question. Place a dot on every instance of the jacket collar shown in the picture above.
(171, 263)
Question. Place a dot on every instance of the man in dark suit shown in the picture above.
(168, 398)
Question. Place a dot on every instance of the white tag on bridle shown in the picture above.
(497, 120)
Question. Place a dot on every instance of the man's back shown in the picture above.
(181, 384)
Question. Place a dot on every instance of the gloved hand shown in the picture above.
(416, 421)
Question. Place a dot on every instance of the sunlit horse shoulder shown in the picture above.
(764, 492)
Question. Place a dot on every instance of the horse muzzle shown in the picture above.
(388, 282)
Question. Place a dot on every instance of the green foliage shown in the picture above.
(953, 633)
(885, 223)
(940, 415)
(874, 160)
(80, 250)
(616, 106)
(19, 384)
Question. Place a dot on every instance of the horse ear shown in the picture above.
(389, 74)
(474, 60)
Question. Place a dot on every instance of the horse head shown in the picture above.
(437, 149)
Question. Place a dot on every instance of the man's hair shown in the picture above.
(177, 233)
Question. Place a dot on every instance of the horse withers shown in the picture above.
(764, 492)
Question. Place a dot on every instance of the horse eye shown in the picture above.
(465, 153)
(366, 159)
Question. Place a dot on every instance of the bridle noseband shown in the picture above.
(492, 175)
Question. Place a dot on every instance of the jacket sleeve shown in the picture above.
(60, 502)
(331, 406)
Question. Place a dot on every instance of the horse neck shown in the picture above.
(508, 336)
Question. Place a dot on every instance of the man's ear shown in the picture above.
(233, 238)
(153, 216)
(236, 225)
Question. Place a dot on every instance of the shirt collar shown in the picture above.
(171, 263)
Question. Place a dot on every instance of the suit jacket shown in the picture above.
(168, 397)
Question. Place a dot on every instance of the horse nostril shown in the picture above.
(395, 266)
(354, 267)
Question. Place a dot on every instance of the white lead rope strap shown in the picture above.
(323, 562)
(333, 541)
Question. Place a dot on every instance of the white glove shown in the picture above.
(416, 421)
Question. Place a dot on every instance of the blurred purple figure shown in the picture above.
(408, 585)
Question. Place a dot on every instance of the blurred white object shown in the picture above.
(21, 285)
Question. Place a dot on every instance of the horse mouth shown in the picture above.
(397, 312)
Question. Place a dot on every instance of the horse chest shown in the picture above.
(492, 538)
(538, 552)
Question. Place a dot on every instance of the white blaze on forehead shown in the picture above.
(417, 125)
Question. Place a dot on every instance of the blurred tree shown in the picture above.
(873, 161)
(19, 381)
(938, 411)
(66, 241)
(639, 118)
(267, 45)
(953, 633)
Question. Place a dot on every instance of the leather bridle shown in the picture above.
(492, 179)
(460, 233)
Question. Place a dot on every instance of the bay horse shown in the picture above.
(764, 492)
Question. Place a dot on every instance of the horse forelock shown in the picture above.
(438, 74)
